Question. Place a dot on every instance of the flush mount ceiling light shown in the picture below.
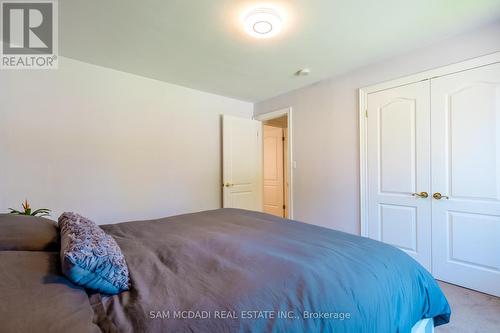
(263, 22)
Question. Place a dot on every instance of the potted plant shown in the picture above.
(27, 210)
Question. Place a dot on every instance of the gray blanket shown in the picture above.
(36, 297)
(238, 271)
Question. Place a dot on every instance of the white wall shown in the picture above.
(109, 145)
(326, 134)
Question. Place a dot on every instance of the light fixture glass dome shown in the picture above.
(262, 22)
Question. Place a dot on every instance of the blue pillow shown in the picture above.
(91, 258)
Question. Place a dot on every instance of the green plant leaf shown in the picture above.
(13, 211)
(41, 211)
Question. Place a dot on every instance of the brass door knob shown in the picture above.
(439, 196)
(421, 195)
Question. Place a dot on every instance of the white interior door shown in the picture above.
(242, 163)
(399, 166)
(273, 171)
(466, 168)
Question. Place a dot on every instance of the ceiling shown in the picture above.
(201, 44)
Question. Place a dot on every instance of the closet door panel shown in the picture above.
(466, 172)
(399, 166)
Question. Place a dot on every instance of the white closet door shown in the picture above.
(466, 168)
(398, 167)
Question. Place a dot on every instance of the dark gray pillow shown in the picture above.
(91, 258)
(28, 233)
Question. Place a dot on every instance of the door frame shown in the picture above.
(363, 113)
(276, 114)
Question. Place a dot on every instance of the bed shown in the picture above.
(229, 270)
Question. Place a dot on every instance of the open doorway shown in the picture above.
(257, 174)
(277, 162)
